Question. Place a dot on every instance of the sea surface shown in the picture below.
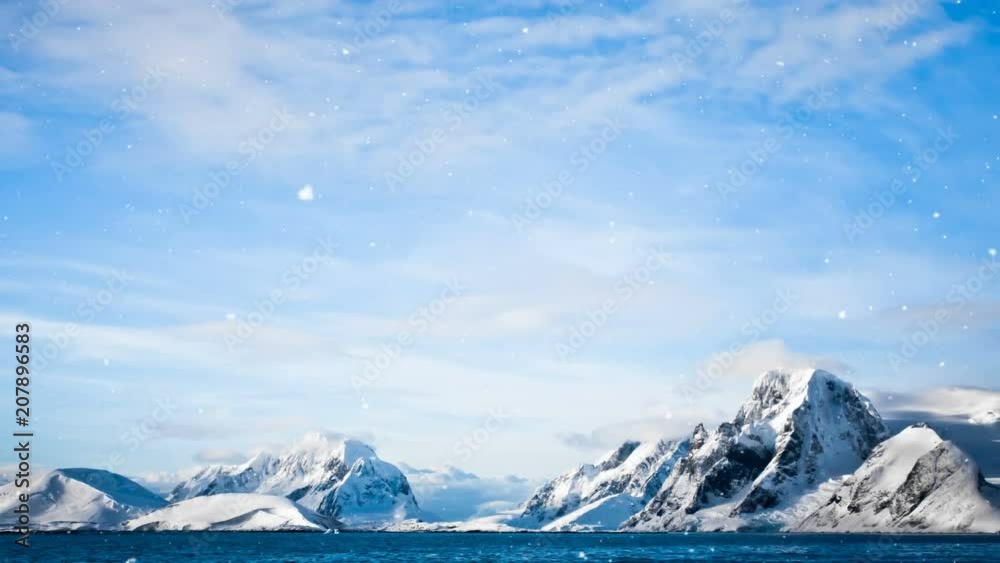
(361, 547)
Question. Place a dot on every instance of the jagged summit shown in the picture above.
(797, 429)
(776, 393)
(804, 452)
(336, 477)
(616, 457)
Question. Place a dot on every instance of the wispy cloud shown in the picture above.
(366, 94)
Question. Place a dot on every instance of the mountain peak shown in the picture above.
(617, 456)
(797, 429)
(777, 394)
(800, 374)
(913, 481)
(786, 382)
(316, 472)
(80, 499)
(333, 444)
(352, 450)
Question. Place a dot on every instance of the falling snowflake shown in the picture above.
(306, 193)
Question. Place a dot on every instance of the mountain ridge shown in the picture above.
(805, 452)
(342, 479)
(796, 430)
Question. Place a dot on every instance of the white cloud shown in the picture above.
(953, 403)
(220, 455)
(494, 347)
(214, 102)
(162, 482)
(765, 355)
(452, 494)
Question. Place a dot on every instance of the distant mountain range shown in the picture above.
(344, 480)
(805, 452)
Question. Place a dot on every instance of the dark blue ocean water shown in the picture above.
(360, 547)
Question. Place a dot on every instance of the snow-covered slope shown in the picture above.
(797, 430)
(606, 513)
(602, 495)
(912, 482)
(342, 479)
(80, 499)
(236, 512)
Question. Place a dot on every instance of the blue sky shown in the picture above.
(491, 179)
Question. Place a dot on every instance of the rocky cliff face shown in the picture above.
(797, 430)
(913, 482)
(634, 472)
(341, 479)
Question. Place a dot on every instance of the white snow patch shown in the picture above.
(236, 512)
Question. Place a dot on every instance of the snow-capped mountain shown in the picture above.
(797, 430)
(341, 479)
(912, 482)
(806, 452)
(604, 494)
(233, 512)
(79, 499)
